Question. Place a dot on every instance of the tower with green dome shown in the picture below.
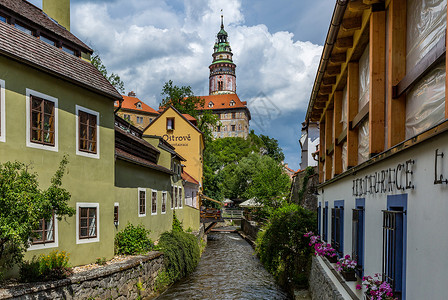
(222, 70)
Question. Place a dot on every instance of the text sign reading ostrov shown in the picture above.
(385, 181)
(182, 140)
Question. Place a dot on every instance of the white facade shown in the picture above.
(425, 205)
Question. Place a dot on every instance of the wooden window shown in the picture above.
(337, 230)
(175, 197)
(116, 214)
(87, 222)
(169, 123)
(141, 203)
(45, 232)
(180, 198)
(163, 202)
(358, 239)
(42, 121)
(233, 127)
(233, 115)
(87, 132)
(154, 203)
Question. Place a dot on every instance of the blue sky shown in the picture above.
(276, 45)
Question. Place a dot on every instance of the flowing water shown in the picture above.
(228, 269)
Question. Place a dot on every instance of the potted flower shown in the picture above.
(346, 266)
(376, 289)
(321, 249)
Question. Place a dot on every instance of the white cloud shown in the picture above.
(150, 42)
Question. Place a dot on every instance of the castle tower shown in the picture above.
(222, 70)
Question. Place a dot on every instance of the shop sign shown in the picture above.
(181, 140)
(388, 180)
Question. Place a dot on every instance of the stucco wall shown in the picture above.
(427, 206)
(87, 179)
(127, 280)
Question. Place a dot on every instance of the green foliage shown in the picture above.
(232, 165)
(133, 240)
(181, 253)
(177, 225)
(47, 267)
(162, 281)
(183, 99)
(113, 78)
(23, 205)
(101, 261)
(281, 246)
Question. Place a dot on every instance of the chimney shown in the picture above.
(58, 10)
(131, 94)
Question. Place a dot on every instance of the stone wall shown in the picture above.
(249, 228)
(321, 286)
(309, 199)
(126, 280)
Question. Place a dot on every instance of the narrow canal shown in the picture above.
(228, 269)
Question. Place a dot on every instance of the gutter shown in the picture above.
(119, 106)
(336, 21)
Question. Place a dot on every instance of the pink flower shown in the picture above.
(358, 287)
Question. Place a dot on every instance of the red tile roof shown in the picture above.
(189, 117)
(131, 104)
(25, 48)
(187, 177)
(35, 15)
(223, 102)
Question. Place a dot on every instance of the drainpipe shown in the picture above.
(332, 34)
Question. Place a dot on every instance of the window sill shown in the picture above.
(88, 154)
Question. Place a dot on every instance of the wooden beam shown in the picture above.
(321, 151)
(329, 80)
(334, 70)
(328, 142)
(352, 110)
(325, 90)
(426, 64)
(320, 104)
(357, 5)
(360, 116)
(377, 90)
(352, 23)
(396, 109)
(337, 127)
(338, 58)
(330, 150)
(344, 43)
(342, 136)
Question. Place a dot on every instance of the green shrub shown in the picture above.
(133, 240)
(281, 246)
(46, 267)
(181, 253)
(177, 225)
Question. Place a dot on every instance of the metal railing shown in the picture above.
(232, 213)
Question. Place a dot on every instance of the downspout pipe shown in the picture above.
(119, 106)
(332, 34)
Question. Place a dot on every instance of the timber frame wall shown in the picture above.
(380, 25)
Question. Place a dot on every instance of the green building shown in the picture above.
(54, 102)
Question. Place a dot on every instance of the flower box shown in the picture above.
(349, 276)
(332, 259)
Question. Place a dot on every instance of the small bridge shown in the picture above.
(210, 215)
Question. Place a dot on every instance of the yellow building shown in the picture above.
(180, 132)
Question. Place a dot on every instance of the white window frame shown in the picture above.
(29, 143)
(97, 114)
(88, 240)
(172, 197)
(164, 195)
(152, 192)
(138, 202)
(51, 244)
(2, 112)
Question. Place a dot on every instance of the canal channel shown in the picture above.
(228, 269)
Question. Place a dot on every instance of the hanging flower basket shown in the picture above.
(348, 275)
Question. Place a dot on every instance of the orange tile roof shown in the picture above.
(187, 177)
(223, 101)
(189, 117)
(131, 103)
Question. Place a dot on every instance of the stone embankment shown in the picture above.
(131, 279)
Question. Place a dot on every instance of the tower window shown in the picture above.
(220, 86)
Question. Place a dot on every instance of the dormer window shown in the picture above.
(139, 105)
(232, 103)
(210, 104)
